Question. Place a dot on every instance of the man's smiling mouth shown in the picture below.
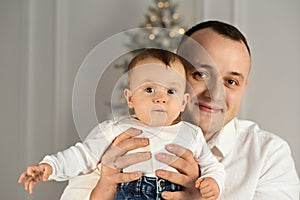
(208, 108)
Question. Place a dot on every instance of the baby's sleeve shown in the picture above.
(209, 165)
(81, 158)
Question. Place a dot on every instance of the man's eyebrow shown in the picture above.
(206, 66)
(202, 66)
(237, 74)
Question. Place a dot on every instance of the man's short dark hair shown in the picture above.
(221, 28)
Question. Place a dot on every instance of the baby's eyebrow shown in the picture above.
(174, 84)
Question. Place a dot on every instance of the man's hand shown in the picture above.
(115, 159)
(34, 174)
(188, 168)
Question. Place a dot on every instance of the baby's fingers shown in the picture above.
(47, 173)
(31, 186)
(22, 177)
(197, 183)
(32, 170)
(27, 182)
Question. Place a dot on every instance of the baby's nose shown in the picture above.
(160, 98)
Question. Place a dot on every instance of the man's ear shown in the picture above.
(186, 98)
(128, 95)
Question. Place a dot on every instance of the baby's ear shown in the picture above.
(128, 95)
(185, 100)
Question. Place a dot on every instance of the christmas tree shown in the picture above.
(163, 14)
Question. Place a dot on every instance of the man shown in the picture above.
(258, 164)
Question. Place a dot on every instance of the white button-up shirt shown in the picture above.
(258, 165)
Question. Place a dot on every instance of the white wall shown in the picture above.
(43, 42)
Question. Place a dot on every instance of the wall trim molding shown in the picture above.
(60, 32)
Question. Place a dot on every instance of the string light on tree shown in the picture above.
(163, 14)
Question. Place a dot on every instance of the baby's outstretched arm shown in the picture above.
(34, 174)
(208, 187)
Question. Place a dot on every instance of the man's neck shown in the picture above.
(209, 136)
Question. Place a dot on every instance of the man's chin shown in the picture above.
(211, 125)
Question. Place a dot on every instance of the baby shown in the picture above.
(157, 94)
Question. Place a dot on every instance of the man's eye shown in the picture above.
(198, 75)
(149, 90)
(232, 82)
(171, 91)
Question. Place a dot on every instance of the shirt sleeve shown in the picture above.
(81, 158)
(278, 178)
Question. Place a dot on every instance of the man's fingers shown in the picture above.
(178, 163)
(126, 145)
(130, 159)
(184, 160)
(115, 152)
(166, 158)
(177, 195)
(173, 177)
(127, 177)
(133, 143)
(129, 133)
(181, 152)
(182, 195)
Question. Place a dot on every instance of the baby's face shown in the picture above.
(157, 92)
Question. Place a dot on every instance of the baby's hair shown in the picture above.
(167, 57)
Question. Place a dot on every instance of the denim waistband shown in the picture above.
(146, 188)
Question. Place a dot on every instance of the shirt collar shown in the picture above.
(222, 143)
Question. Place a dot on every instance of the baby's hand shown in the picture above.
(34, 174)
(208, 187)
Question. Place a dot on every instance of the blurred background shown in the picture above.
(44, 42)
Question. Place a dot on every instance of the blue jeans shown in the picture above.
(145, 188)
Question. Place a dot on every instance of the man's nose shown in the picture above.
(215, 89)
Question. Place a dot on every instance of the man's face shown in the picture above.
(217, 80)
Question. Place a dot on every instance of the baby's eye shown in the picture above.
(171, 91)
(149, 90)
